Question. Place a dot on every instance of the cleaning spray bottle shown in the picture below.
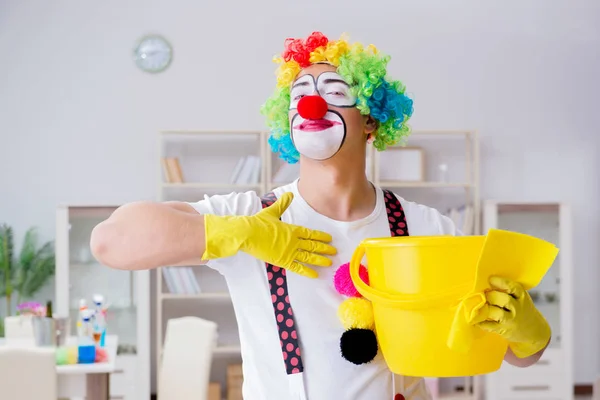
(99, 320)
(86, 345)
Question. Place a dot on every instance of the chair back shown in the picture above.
(184, 373)
(28, 373)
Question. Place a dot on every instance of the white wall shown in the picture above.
(78, 121)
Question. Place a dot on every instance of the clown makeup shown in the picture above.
(319, 139)
(334, 89)
(316, 131)
(329, 85)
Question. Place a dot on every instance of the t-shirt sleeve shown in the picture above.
(247, 203)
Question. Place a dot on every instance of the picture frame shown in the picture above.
(402, 164)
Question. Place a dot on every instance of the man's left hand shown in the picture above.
(510, 312)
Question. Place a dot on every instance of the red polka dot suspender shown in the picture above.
(284, 315)
(395, 213)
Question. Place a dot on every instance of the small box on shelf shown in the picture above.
(402, 164)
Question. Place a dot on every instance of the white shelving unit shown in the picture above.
(552, 376)
(127, 293)
(458, 186)
(208, 160)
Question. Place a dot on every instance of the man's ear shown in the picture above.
(370, 125)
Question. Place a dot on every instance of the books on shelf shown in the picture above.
(247, 171)
(463, 218)
(181, 280)
(172, 170)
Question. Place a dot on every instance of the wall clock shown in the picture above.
(153, 53)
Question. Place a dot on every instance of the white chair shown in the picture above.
(28, 373)
(184, 372)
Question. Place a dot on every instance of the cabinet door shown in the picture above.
(83, 276)
(79, 276)
(542, 221)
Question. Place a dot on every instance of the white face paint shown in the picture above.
(329, 85)
(334, 90)
(320, 139)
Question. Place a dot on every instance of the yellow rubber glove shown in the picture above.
(266, 238)
(510, 312)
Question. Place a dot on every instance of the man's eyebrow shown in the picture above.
(334, 80)
(303, 83)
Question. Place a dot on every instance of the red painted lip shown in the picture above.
(315, 125)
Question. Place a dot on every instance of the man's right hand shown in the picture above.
(265, 237)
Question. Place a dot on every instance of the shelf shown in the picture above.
(194, 185)
(425, 184)
(455, 396)
(198, 296)
(226, 350)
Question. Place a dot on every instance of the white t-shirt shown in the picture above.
(315, 302)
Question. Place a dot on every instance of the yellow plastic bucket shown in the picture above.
(424, 289)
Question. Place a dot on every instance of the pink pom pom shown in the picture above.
(343, 283)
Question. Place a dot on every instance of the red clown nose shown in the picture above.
(312, 107)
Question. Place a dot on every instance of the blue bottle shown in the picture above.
(87, 347)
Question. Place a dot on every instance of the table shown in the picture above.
(89, 381)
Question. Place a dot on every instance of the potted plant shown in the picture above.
(23, 275)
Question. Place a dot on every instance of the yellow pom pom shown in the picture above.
(356, 312)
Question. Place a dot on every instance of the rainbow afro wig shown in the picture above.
(363, 68)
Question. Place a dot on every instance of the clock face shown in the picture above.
(153, 53)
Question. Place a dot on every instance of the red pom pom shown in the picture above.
(343, 283)
(312, 107)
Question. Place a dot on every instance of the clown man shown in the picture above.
(283, 254)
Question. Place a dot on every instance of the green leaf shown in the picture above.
(30, 272)
(42, 268)
(6, 260)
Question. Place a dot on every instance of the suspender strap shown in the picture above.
(398, 227)
(284, 315)
(395, 213)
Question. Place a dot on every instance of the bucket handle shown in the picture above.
(365, 290)
(404, 301)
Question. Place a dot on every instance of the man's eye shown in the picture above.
(298, 97)
(337, 93)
